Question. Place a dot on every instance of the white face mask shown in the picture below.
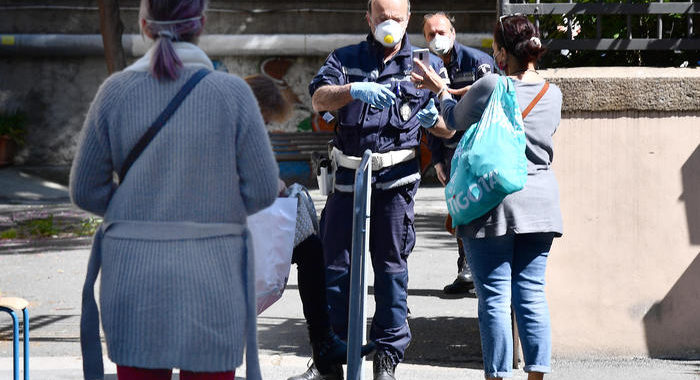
(440, 45)
(389, 33)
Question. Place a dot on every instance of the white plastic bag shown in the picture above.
(272, 230)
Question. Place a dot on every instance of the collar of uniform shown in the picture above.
(378, 49)
(454, 56)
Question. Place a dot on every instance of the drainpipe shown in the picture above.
(215, 45)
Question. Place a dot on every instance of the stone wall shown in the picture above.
(625, 278)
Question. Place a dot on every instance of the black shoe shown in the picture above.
(459, 286)
(336, 373)
(383, 366)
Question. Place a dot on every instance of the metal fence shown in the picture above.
(601, 10)
(357, 313)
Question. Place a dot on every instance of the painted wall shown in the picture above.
(625, 278)
(56, 94)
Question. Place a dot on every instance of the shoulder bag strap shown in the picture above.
(160, 122)
(537, 99)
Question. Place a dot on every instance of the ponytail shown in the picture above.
(170, 21)
(165, 63)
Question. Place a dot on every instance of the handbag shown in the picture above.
(489, 162)
(273, 249)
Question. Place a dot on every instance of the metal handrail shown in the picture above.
(628, 42)
(357, 312)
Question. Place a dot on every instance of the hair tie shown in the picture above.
(166, 34)
(172, 22)
(536, 41)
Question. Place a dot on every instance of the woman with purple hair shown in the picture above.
(174, 254)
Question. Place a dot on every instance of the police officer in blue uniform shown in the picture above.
(464, 66)
(380, 109)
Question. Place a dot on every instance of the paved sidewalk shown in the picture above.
(50, 272)
(282, 366)
(19, 187)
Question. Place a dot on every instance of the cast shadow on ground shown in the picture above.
(35, 246)
(440, 341)
(430, 232)
(437, 293)
(671, 326)
(35, 323)
(432, 223)
(112, 376)
(176, 376)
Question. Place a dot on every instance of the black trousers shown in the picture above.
(308, 255)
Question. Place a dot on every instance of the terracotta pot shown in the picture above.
(7, 151)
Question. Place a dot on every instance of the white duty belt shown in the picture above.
(379, 160)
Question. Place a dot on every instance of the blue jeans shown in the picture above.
(510, 270)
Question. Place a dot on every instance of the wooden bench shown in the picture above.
(293, 152)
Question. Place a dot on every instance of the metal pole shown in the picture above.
(15, 341)
(629, 24)
(659, 25)
(629, 27)
(25, 326)
(599, 25)
(569, 25)
(357, 312)
(537, 16)
(690, 23)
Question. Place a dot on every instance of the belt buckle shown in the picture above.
(376, 162)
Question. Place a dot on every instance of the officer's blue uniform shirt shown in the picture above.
(464, 63)
(361, 126)
(462, 71)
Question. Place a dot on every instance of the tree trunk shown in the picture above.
(112, 28)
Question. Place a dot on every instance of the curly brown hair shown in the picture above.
(274, 105)
(515, 34)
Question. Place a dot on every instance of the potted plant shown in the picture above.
(12, 130)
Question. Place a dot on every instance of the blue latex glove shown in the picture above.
(374, 94)
(428, 116)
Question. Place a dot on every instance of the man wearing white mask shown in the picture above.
(464, 66)
(368, 86)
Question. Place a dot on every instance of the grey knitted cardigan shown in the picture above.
(174, 302)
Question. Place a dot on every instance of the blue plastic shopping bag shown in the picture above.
(489, 162)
